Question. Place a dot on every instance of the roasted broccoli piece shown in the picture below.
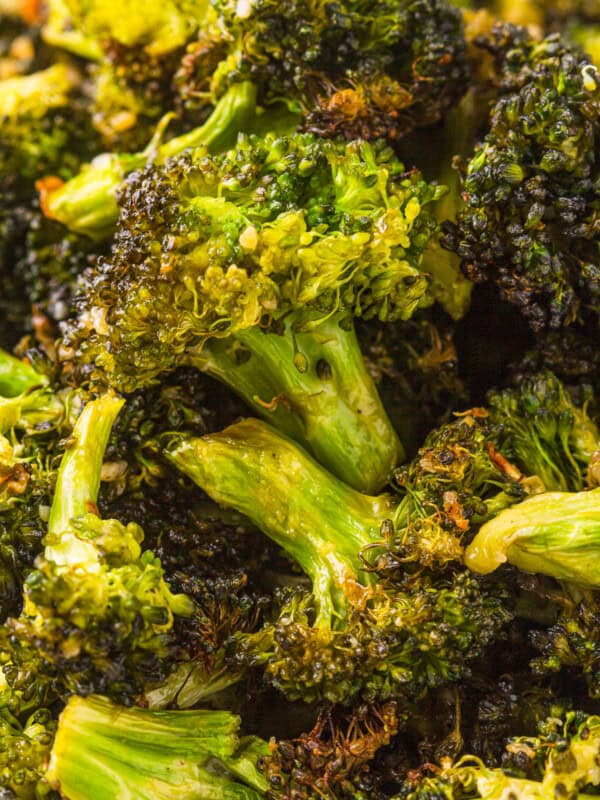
(34, 419)
(529, 222)
(553, 533)
(96, 607)
(355, 69)
(45, 128)
(251, 266)
(397, 66)
(561, 760)
(24, 752)
(104, 751)
(546, 432)
(353, 633)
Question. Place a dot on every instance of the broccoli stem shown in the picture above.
(312, 385)
(17, 376)
(554, 533)
(87, 203)
(78, 480)
(319, 521)
(106, 751)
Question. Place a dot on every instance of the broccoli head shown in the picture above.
(529, 224)
(396, 66)
(96, 606)
(251, 266)
(356, 69)
(366, 627)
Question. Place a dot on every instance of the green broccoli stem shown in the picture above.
(318, 520)
(17, 376)
(104, 751)
(87, 203)
(78, 480)
(554, 533)
(312, 384)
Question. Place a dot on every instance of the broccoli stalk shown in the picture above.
(554, 533)
(87, 203)
(106, 751)
(313, 385)
(353, 633)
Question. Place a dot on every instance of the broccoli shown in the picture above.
(95, 604)
(354, 633)
(546, 432)
(529, 222)
(33, 421)
(553, 533)
(398, 66)
(105, 751)
(563, 762)
(45, 127)
(251, 266)
(24, 752)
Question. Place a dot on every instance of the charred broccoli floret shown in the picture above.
(356, 69)
(530, 221)
(251, 266)
(353, 633)
(396, 66)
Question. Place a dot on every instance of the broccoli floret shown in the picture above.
(251, 266)
(354, 633)
(106, 751)
(45, 128)
(24, 752)
(546, 433)
(398, 66)
(563, 761)
(529, 222)
(572, 644)
(96, 604)
(356, 69)
(33, 421)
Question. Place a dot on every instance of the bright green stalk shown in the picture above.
(87, 203)
(78, 481)
(17, 376)
(554, 533)
(104, 751)
(318, 520)
(314, 387)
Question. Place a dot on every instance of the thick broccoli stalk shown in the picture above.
(87, 204)
(554, 533)
(314, 386)
(251, 265)
(353, 633)
(529, 224)
(95, 602)
(106, 751)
